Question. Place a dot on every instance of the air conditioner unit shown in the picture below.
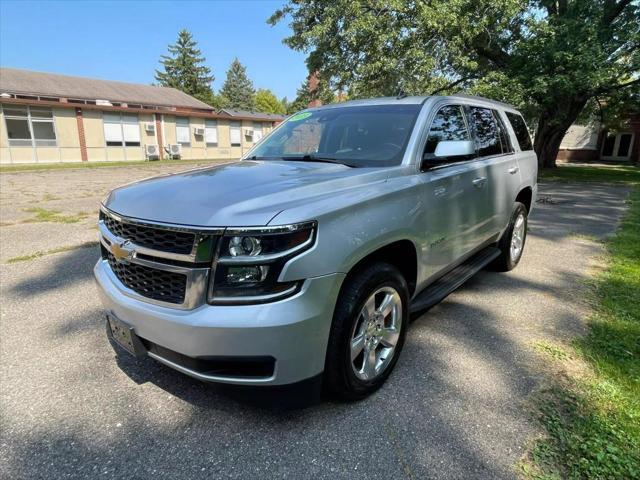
(248, 132)
(199, 131)
(152, 152)
(174, 150)
(150, 127)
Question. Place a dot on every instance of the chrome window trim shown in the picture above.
(162, 225)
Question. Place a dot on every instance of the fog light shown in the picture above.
(250, 274)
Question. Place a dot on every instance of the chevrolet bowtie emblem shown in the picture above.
(122, 251)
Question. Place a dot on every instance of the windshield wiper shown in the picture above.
(315, 158)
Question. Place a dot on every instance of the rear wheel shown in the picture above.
(368, 331)
(512, 243)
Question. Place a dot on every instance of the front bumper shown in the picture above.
(293, 331)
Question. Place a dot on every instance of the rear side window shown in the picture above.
(448, 124)
(486, 131)
(520, 129)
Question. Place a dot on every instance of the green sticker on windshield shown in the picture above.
(300, 116)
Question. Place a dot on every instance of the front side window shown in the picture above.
(235, 134)
(486, 131)
(357, 136)
(121, 130)
(448, 125)
(520, 129)
(183, 136)
(211, 133)
(30, 126)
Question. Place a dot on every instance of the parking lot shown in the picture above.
(455, 407)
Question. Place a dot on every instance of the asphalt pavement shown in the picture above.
(455, 407)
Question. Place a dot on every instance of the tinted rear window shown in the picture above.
(520, 129)
(486, 131)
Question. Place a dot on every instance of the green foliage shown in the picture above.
(183, 69)
(304, 96)
(593, 424)
(237, 91)
(267, 102)
(546, 57)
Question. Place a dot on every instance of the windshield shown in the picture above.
(358, 136)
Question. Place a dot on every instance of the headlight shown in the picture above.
(249, 261)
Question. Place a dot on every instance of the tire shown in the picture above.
(508, 259)
(352, 380)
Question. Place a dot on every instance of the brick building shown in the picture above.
(47, 118)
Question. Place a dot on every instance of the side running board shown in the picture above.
(441, 288)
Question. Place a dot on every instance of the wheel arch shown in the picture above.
(402, 254)
(525, 196)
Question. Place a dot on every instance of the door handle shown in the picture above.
(479, 182)
(513, 170)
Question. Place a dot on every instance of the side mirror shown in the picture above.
(449, 151)
(454, 148)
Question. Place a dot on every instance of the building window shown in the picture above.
(211, 133)
(235, 134)
(183, 136)
(29, 126)
(257, 132)
(121, 130)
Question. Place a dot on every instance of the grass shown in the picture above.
(554, 351)
(592, 419)
(627, 174)
(53, 216)
(90, 165)
(42, 253)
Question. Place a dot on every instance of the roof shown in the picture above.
(413, 100)
(27, 82)
(249, 115)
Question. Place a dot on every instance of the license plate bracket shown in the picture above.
(124, 336)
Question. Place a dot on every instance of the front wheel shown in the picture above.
(368, 331)
(511, 244)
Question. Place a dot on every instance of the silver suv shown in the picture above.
(303, 261)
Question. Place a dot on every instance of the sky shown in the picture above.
(123, 40)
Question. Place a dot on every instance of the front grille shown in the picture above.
(149, 237)
(149, 282)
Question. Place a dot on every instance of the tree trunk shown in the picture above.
(552, 126)
(547, 144)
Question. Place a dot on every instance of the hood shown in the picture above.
(245, 193)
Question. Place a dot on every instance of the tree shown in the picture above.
(304, 95)
(267, 102)
(237, 91)
(547, 57)
(183, 69)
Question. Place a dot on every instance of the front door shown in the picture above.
(454, 195)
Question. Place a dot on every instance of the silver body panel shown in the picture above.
(445, 212)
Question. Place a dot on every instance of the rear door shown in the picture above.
(497, 160)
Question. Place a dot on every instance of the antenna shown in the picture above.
(401, 94)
